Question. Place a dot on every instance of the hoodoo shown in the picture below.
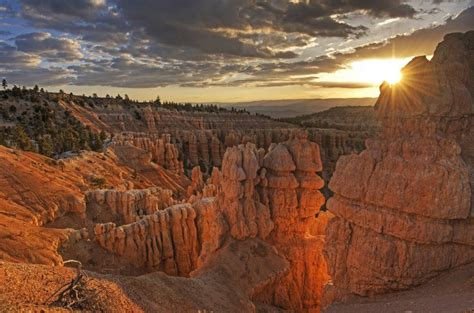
(273, 196)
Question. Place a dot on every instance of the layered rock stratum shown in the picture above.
(404, 206)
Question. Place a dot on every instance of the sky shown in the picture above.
(220, 50)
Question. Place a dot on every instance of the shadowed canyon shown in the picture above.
(205, 209)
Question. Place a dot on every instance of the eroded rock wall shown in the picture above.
(163, 152)
(124, 207)
(403, 206)
(174, 240)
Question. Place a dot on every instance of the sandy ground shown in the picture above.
(26, 288)
(451, 292)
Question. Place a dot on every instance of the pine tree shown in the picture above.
(96, 143)
(102, 135)
(4, 83)
(158, 100)
(46, 145)
(21, 138)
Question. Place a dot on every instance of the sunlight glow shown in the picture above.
(377, 71)
(370, 71)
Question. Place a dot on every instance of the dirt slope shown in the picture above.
(452, 292)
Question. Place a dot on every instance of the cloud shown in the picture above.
(93, 20)
(238, 28)
(420, 42)
(199, 24)
(71, 8)
(349, 85)
(202, 43)
(53, 76)
(209, 26)
(51, 48)
(23, 68)
(10, 58)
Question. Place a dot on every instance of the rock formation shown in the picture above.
(403, 206)
(173, 240)
(36, 191)
(179, 148)
(273, 196)
(124, 207)
(246, 215)
(163, 152)
(140, 161)
(290, 188)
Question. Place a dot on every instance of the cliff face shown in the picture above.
(36, 191)
(404, 205)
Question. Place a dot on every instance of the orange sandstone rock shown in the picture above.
(404, 205)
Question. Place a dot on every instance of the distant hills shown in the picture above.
(349, 118)
(296, 107)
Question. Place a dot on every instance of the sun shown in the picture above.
(379, 70)
(393, 77)
(371, 72)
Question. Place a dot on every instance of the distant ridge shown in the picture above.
(295, 107)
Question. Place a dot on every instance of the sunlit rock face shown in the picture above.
(273, 196)
(404, 206)
(290, 188)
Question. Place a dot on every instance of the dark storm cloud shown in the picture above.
(51, 48)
